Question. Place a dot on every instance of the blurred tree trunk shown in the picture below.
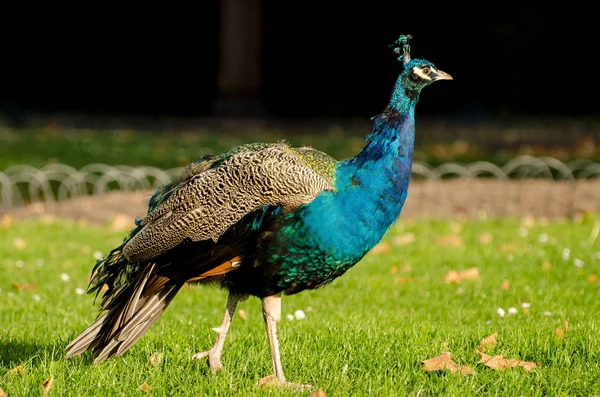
(239, 78)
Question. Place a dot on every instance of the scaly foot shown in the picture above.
(213, 361)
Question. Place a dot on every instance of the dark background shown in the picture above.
(319, 59)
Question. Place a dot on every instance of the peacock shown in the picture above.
(262, 220)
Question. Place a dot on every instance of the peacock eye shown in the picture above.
(426, 70)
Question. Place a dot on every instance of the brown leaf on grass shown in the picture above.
(508, 247)
(268, 381)
(24, 287)
(442, 362)
(2, 393)
(505, 285)
(546, 265)
(317, 393)
(450, 240)
(592, 278)
(439, 363)
(242, 314)
(485, 238)
(47, 384)
(18, 369)
(489, 342)
(394, 269)
(499, 362)
(144, 387)
(455, 276)
(155, 359)
(381, 248)
(19, 243)
(6, 221)
(403, 239)
(560, 332)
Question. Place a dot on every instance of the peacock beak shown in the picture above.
(441, 75)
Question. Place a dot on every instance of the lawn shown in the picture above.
(366, 334)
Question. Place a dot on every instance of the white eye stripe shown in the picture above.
(420, 73)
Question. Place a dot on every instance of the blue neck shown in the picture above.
(370, 188)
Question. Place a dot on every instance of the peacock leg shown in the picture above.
(215, 352)
(272, 314)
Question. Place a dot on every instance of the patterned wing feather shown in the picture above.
(220, 190)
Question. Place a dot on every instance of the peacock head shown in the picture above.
(417, 73)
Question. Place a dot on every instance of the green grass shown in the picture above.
(366, 334)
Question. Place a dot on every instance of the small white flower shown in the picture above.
(79, 291)
(98, 255)
(299, 314)
(547, 313)
(19, 263)
(290, 317)
(0, 289)
(566, 253)
(501, 312)
(543, 238)
(597, 255)
(510, 257)
(65, 277)
(512, 310)
(525, 305)
(36, 297)
(523, 232)
(41, 262)
(11, 294)
(578, 262)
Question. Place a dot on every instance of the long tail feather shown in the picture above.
(130, 313)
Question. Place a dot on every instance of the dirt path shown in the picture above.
(452, 198)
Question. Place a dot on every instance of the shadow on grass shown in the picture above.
(17, 352)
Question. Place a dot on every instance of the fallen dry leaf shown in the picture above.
(454, 276)
(440, 363)
(24, 287)
(508, 247)
(19, 243)
(528, 221)
(403, 239)
(453, 240)
(546, 265)
(47, 384)
(505, 285)
(144, 387)
(592, 278)
(499, 362)
(6, 221)
(242, 314)
(155, 359)
(381, 248)
(485, 238)
(268, 381)
(18, 369)
(317, 393)
(394, 269)
(489, 342)
(560, 332)
(443, 361)
(2, 393)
